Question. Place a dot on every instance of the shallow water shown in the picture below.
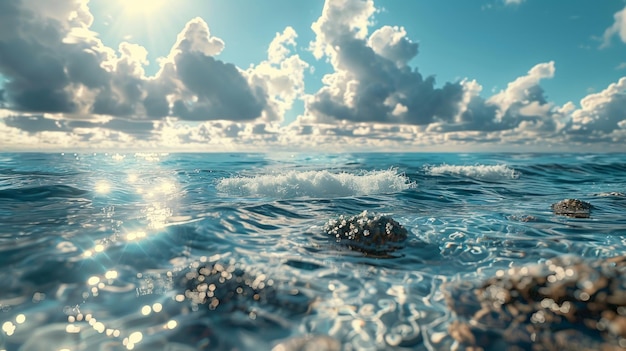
(95, 248)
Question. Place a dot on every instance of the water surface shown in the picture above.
(94, 248)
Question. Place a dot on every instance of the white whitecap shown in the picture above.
(475, 171)
(315, 184)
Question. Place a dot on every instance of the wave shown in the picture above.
(316, 184)
(41, 192)
(493, 172)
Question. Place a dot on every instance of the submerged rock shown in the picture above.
(368, 233)
(229, 286)
(564, 304)
(572, 208)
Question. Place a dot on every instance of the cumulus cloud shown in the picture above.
(53, 63)
(36, 57)
(524, 89)
(392, 43)
(513, 2)
(60, 78)
(372, 81)
(521, 108)
(601, 113)
(192, 84)
(340, 18)
(618, 28)
(281, 75)
(278, 48)
(65, 89)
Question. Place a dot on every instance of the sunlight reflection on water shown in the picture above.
(97, 260)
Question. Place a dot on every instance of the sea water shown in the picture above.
(95, 248)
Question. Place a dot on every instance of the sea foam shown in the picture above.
(316, 184)
(475, 171)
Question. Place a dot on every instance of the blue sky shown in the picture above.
(334, 75)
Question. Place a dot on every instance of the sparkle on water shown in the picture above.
(154, 251)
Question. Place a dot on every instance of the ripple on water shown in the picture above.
(105, 267)
(387, 312)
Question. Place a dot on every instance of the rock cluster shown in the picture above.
(219, 285)
(371, 234)
(230, 286)
(564, 304)
(572, 208)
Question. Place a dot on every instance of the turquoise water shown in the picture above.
(96, 250)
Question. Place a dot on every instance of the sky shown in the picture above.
(329, 76)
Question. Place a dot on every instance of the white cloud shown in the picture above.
(523, 90)
(278, 49)
(393, 44)
(281, 76)
(54, 63)
(65, 89)
(603, 112)
(196, 38)
(618, 27)
(340, 17)
(513, 2)
(371, 81)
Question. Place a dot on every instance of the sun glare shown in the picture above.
(142, 7)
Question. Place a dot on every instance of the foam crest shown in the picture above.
(475, 171)
(316, 184)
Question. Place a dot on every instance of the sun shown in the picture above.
(142, 7)
(142, 22)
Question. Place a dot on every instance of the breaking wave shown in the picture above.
(475, 171)
(316, 184)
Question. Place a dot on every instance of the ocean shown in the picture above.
(371, 251)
